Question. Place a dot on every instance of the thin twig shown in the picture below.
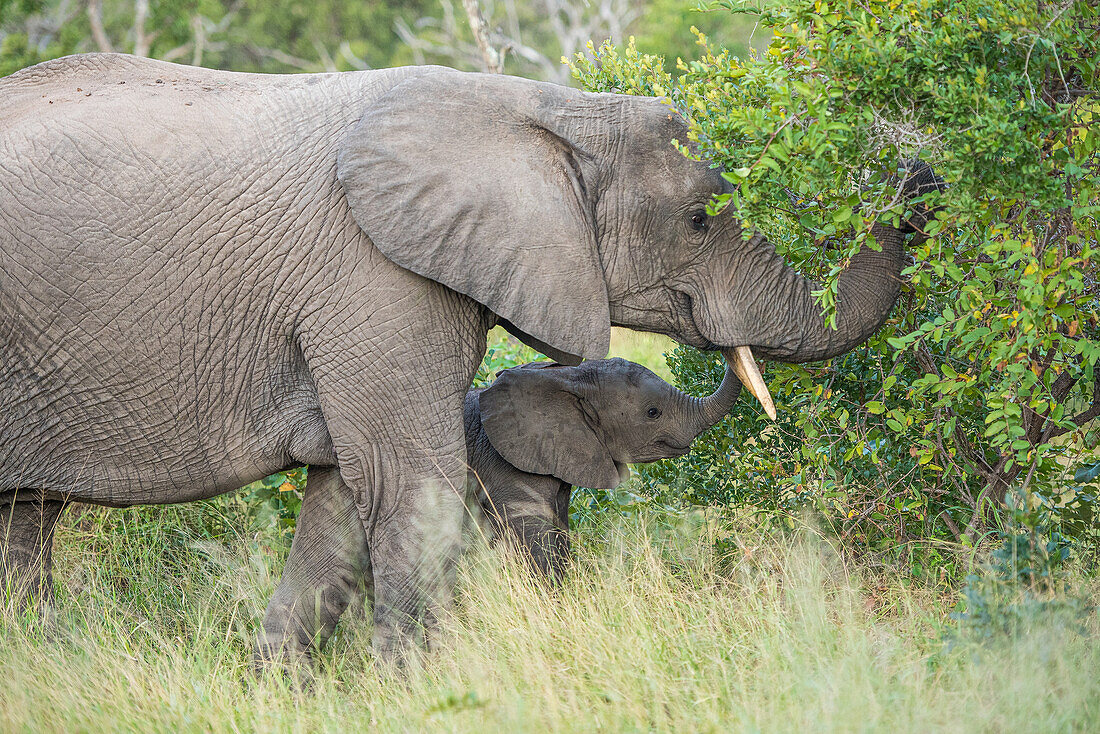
(768, 144)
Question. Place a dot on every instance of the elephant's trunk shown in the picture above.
(785, 314)
(705, 412)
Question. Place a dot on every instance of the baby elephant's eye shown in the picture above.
(653, 413)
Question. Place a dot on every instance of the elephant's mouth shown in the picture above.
(677, 449)
(740, 358)
(663, 450)
(687, 330)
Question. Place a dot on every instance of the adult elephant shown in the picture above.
(206, 277)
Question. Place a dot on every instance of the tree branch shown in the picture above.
(494, 61)
(95, 19)
(198, 28)
(141, 41)
(1093, 411)
(283, 58)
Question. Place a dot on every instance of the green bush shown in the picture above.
(984, 379)
(1024, 583)
(503, 351)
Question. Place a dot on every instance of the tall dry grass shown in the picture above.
(652, 631)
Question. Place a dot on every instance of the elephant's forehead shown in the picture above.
(651, 174)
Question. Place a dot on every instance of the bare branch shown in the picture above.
(283, 58)
(99, 34)
(203, 31)
(415, 44)
(326, 58)
(141, 41)
(566, 24)
(1093, 411)
(349, 56)
(494, 61)
(198, 27)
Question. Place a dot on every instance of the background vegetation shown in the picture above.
(331, 35)
(945, 576)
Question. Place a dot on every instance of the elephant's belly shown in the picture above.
(144, 439)
(161, 471)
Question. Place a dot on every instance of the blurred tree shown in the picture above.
(331, 35)
(244, 35)
(533, 36)
(665, 30)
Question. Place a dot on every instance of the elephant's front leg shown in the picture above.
(404, 466)
(533, 510)
(328, 560)
(391, 367)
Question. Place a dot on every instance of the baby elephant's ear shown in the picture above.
(535, 419)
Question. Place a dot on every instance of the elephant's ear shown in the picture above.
(485, 183)
(535, 419)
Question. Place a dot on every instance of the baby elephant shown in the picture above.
(542, 428)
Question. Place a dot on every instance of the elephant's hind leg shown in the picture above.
(328, 561)
(26, 552)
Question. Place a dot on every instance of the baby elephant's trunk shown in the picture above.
(711, 409)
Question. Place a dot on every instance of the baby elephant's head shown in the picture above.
(584, 424)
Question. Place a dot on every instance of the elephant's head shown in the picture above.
(583, 424)
(565, 212)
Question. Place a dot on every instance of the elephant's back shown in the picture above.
(85, 81)
(112, 154)
(74, 85)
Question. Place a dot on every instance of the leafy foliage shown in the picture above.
(275, 501)
(504, 351)
(985, 376)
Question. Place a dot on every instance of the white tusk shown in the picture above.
(744, 366)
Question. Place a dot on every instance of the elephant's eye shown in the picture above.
(653, 413)
(699, 221)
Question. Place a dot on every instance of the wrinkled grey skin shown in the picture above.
(206, 277)
(542, 428)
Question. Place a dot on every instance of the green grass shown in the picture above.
(645, 349)
(652, 632)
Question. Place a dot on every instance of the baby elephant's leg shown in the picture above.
(327, 563)
(26, 551)
(538, 518)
